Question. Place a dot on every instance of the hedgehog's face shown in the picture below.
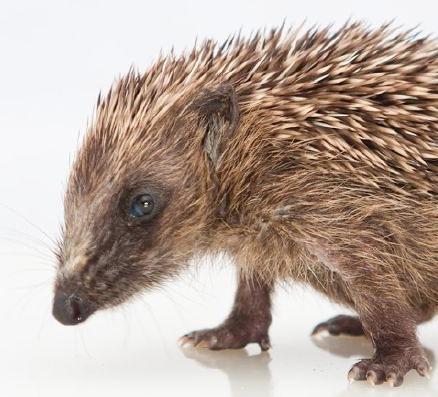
(113, 247)
(128, 228)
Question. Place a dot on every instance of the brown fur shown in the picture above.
(307, 157)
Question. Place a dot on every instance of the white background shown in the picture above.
(55, 56)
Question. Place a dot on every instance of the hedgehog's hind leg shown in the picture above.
(331, 284)
(248, 321)
(386, 315)
(351, 325)
(340, 325)
(389, 321)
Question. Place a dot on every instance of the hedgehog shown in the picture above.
(306, 155)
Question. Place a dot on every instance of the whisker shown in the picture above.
(29, 270)
(40, 243)
(83, 344)
(176, 306)
(36, 227)
(23, 300)
(163, 290)
(159, 328)
(35, 258)
(31, 287)
(44, 321)
(28, 246)
(127, 326)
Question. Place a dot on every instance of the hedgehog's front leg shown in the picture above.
(389, 321)
(248, 321)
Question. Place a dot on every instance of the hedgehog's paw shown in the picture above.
(342, 324)
(390, 368)
(225, 337)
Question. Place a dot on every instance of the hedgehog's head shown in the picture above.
(140, 195)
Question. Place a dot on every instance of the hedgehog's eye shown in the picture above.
(142, 206)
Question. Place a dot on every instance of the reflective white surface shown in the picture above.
(54, 58)
(133, 351)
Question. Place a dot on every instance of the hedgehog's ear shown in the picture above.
(219, 114)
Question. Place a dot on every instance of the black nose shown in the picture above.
(69, 309)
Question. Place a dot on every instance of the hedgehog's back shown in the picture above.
(356, 100)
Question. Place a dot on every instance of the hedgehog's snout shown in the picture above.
(70, 309)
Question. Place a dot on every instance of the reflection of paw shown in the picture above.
(231, 361)
(344, 346)
(342, 324)
(391, 369)
(224, 337)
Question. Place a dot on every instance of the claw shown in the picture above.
(391, 378)
(424, 370)
(376, 372)
(372, 378)
(354, 374)
(185, 341)
(394, 380)
(319, 329)
(426, 373)
(265, 344)
(223, 338)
